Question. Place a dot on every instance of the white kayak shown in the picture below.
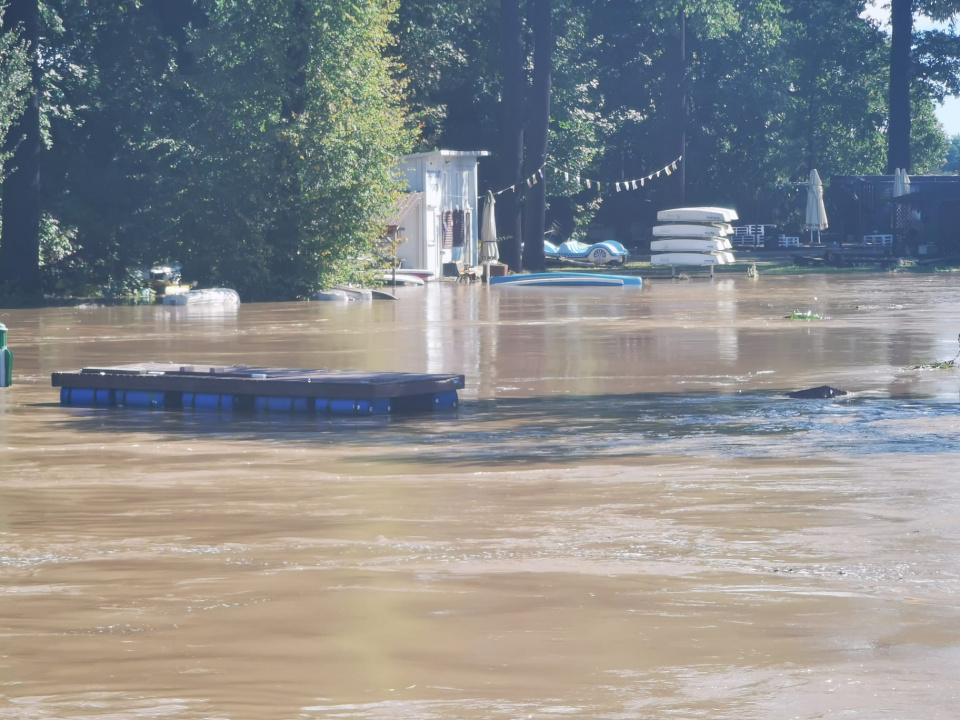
(697, 245)
(421, 273)
(692, 259)
(703, 230)
(698, 215)
(344, 293)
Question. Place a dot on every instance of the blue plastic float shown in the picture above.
(259, 390)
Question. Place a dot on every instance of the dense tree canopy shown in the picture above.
(256, 145)
(754, 93)
(257, 142)
(291, 145)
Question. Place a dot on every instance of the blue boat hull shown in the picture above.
(568, 279)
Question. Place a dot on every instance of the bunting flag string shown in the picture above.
(530, 181)
(568, 176)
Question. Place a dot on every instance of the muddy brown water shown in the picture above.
(626, 518)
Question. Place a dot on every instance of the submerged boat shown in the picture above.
(165, 280)
(698, 245)
(218, 297)
(568, 279)
(698, 215)
(693, 230)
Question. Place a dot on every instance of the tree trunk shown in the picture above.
(511, 133)
(677, 86)
(901, 41)
(535, 210)
(20, 244)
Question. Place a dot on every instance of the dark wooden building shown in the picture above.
(924, 222)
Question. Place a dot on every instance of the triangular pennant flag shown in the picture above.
(617, 186)
(641, 182)
(674, 165)
(529, 183)
(634, 184)
(588, 184)
(540, 172)
(658, 173)
(666, 170)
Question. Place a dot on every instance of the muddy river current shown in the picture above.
(625, 518)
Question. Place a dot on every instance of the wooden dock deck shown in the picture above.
(236, 387)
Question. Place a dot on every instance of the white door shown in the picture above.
(432, 231)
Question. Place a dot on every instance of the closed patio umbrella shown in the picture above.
(816, 218)
(489, 250)
(897, 187)
(903, 215)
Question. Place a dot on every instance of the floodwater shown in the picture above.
(625, 518)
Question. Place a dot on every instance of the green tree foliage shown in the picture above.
(953, 156)
(20, 243)
(765, 91)
(837, 109)
(255, 143)
(935, 64)
(450, 56)
(14, 80)
(281, 177)
(928, 143)
(114, 99)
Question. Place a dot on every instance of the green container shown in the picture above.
(6, 359)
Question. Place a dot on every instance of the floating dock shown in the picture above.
(256, 389)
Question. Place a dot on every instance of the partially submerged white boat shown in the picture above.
(698, 215)
(692, 259)
(344, 293)
(402, 278)
(690, 230)
(690, 244)
(207, 297)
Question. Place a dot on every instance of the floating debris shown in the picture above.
(822, 391)
(808, 315)
(946, 365)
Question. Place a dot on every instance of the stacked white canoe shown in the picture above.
(693, 236)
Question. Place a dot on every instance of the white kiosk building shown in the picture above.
(437, 221)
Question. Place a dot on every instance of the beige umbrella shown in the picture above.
(489, 249)
(816, 218)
